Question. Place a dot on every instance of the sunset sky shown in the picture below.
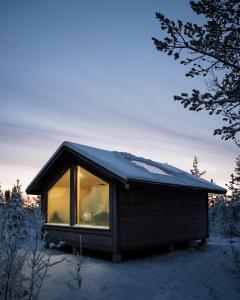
(88, 72)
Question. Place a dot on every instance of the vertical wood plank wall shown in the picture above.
(151, 216)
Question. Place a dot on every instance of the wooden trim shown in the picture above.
(34, 188)
(37, 184)
(73, 197)
(73, 175)
(173, 186)
(115, 221)
(100, 169)
(92, 170)
(44, 205)
(207, 215)
(54, 157)
(100, 176)
(57, 177)
(89, 231)
(75, 192)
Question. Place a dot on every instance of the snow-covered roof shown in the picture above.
(129, 167)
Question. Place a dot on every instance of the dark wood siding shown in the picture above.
(151, 216)
(91, 238)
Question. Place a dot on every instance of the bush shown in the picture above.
(23, 260)
(224, 217)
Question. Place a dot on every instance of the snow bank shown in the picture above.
(190, 274)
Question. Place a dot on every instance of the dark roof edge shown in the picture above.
(63, 146)
(224, 191)
(51, 160)
(118, 177)
(55, 155)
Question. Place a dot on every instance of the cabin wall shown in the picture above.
(91, 238)
(151, 216)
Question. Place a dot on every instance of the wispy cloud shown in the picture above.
(96, 79)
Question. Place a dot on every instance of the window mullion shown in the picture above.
(73, 187)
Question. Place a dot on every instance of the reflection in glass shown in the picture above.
(92, 200)
(58, 210)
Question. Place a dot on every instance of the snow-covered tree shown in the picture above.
(212, 50)
(234, 183)
(212, 197)
(1, 196)
(16, 197)
(217, 216)
(14, 232)
(195, 170)
(7, 196)
(237, 173)
(23, 260)
(224, 211)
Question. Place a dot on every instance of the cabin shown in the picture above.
(119, 202)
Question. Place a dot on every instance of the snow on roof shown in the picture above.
(130, 167)
(150, 168)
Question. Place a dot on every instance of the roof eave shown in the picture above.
(31, 187)
(217, 191)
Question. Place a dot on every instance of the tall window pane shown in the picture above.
(92, 200)
(59, 201)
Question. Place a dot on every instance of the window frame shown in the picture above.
(56, 179)
(77, 167)
(73, 199)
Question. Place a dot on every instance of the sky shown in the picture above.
(88, 72)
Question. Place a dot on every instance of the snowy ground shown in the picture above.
(183, 274)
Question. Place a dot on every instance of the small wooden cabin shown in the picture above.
(119, 202)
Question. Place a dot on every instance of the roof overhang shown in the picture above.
(33, 187)
(180, 187)
(36, 185)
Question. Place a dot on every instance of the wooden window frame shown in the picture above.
(73, 201)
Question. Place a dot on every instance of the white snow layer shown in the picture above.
(124, 165)
(150, 168)
(187, 274)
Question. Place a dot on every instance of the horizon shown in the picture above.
(89, 73)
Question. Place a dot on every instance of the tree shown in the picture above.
(237, 169)
(7, 195)
(1, 196)
(23, 261)
(212, 50)
(234, 183)
(212, 197)
(16, 197)
(195, 171)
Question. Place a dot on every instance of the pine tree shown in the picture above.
(212, 198)
(7, 195)
(1, 196)
(211, 49)
(195, 171)
(16, 196)
(237, 170)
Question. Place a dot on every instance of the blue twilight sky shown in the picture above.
(87, 71)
